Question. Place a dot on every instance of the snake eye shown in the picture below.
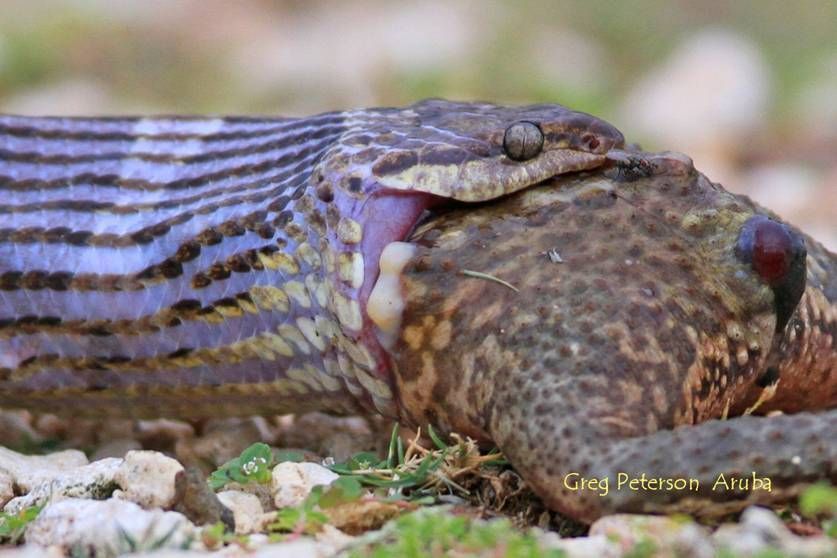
(522, 141)
(777, 255)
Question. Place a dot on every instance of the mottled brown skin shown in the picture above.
(623, 357)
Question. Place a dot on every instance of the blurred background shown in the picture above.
(747, 88)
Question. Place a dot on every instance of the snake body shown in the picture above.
(180, 266)
(232, 266)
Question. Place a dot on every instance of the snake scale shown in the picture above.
(512, 273)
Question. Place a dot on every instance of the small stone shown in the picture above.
(32, 551)
(108, 528)
(198, 502)
(147, 478)
(6, 488)
(666, 534)
(759, 529)
(29, 471)
(299, 548)
(247, 510)
(94, 480)
(359, 516)
(597, 546)
(292, 482)
(332, 540)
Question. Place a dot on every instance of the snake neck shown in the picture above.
(184, 266)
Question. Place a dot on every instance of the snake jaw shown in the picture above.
(485, 179)
(430, 149)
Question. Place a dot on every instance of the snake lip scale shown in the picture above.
(512, 273)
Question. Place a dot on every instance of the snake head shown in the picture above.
(390, 165)
(468, 151)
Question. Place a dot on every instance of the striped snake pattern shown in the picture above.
(189, 266)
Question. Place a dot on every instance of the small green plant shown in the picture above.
(433, 532)
(820, 500)
(417, 473)
(13, 526)
(304, 519)
(253, 465)
(308, 518)
(644, 548)
(414, 472)
(216, 535)
(146, 542)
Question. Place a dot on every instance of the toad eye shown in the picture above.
(523, 140)
(771, 248)
(777, 255)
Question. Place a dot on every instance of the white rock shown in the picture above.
(332, 540)
(109, 527)
(292, 482)
(95, 480)
(147, 478)
(597, 546)
(6, 488)
(667, 534)
(32, 551)
(247, 510)
(760, 529)
(29, 471)
(302, 548)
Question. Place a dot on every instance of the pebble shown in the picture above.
(247, 511)
(29, 471)
(94, 480)
(759, 530)
(108, 528)
(148, 479)
(292, 482)
(6, 488)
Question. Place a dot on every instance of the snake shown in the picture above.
(513, 273)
